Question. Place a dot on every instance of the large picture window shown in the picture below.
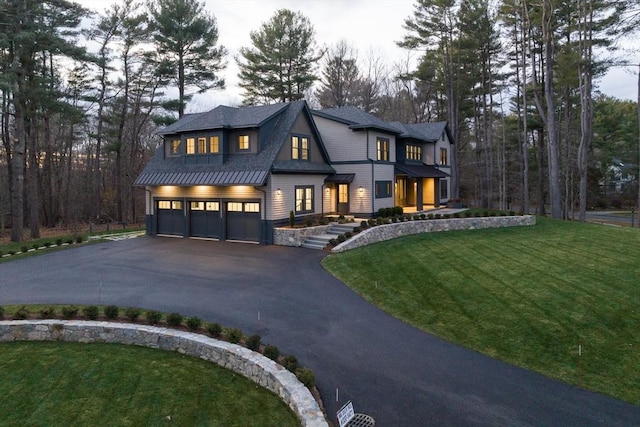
(299, 148)
(304, 199)
(383, 149)
(383, 189)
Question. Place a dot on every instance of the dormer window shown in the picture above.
(214, 144)
(175, 147)
(243, 142)
(413, 152)
(191, 145)
(299, 148)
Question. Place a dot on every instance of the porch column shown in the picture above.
(419, 198)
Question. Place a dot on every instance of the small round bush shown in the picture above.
(348, 234)
(341, 238)
(132, 313)
(364, 224)
(21, 313)
(253, 342)
(111, 311)
(47, 244)
(153, 317)
(174, 319)
(194, 323)
(68, 241)
(290, 363)
(333, 242)
(214, 329)
(234, 335)
(90, 312)
(272, 352)
(35, 246)
(48, 312)
(79, 239)
(24, 249)
(58, 242)
(69, 312)
(306, 377)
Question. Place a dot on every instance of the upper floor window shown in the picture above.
(299, 148)
(191, 145)
(383, 149)
(304, 199)
(202, 145)
(243, 142)
(214, 144)
(443, 157)
(175, 147)
(414, 152)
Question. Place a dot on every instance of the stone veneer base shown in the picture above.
(256, 367)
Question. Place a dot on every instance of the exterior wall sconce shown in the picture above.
(278, 192)
(361, 189)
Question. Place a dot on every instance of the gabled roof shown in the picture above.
(225, 117)
(237, 169)
(430, 132)
(357, 119)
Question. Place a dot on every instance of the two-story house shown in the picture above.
(236, 173)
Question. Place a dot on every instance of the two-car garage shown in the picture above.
(211, 219)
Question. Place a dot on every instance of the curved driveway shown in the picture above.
(391, 371)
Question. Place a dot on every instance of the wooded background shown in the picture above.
(514, 78)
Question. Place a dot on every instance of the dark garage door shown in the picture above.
(170, 217)
(205, 219)
(243, 221)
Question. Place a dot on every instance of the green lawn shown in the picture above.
(62, 384)
(526, 295)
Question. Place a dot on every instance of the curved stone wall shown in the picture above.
(381, 233)
(252, 365)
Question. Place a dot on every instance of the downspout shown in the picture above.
(264, 221)
(372, 175)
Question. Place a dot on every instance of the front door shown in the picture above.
(343, 198)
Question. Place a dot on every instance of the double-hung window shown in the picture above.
(304, 199)
(175, 147)
(243, 142)
(191, 145)
(383, 149)
(299, 148)
(214, 144)
(443, 157)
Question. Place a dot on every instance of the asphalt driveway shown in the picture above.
(391, 371)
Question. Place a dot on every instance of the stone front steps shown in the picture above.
(319, 241)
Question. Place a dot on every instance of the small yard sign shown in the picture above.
(345, 414)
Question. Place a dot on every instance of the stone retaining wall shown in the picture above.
(295, 236)
(250, 364)
(381, 233)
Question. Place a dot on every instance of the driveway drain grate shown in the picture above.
(361, 420)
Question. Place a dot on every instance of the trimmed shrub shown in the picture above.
(292, 219)
(272, 352)
(79, 239)
(174, 319)
(253, 342)
(132, 313)
(356, 230)
(306, 377)
(69, 241)
(372, 221)
(456, 214)
(446, 216)
(48, 312)
(24, 249)
(341, 238)
(290, 363)
(348, 234)
(35, 246)
(398, 210)
(21, 313)
(422, 216)
(416, 217)
(90, 312)
(69, 312)
(111, 311)
(234, 335)
(214, 329)
(364, 224)
(468, 214)
(438, 216)
(194, 323)
(308, 222)
(47, 244)
(333, 242)
(59, 242)
(153, 317)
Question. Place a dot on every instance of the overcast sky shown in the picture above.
(369, 25)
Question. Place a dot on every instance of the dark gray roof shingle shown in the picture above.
(429, 132)
(357, 119)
